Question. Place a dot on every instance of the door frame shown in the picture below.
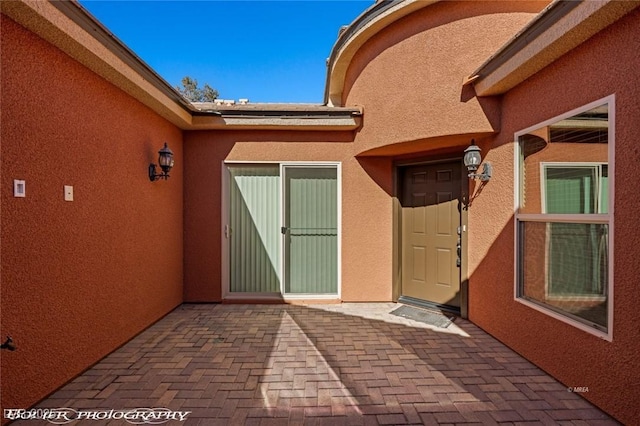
(397, 233)
(225, 274)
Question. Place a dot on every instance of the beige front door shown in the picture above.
(431, 206)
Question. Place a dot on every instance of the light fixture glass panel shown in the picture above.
(165, 160)
(472, 159)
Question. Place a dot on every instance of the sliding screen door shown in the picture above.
(311, 230)
(282, 230)
(254, 229)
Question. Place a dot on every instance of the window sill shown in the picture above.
(593, 329)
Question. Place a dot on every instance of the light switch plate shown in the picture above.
(68, 193)
(19, 188)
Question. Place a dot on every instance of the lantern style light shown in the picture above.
(472, 160)
(165, 160)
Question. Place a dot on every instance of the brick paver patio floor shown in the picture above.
(348, 364)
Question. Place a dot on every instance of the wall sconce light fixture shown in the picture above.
(8, 344)
(165, 160)
(472, 160)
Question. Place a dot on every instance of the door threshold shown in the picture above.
(253, 299)
(407, 300)
(279, 299)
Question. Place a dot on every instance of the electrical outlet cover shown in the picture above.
(68, 193)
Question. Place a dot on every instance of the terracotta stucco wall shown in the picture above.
(606, 64)
(364, 276)
(408, 97)
(79, 278)
(409, 76)
(408, 79)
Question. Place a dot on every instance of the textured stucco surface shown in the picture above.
(409, 76)
(409, 82)
(366, 208)
(409, 79)
(80, 40)
(574, 27)
(79, 278)
(604, 65)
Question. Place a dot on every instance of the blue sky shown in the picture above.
(266, 51)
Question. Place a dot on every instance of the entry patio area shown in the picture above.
(347, 364)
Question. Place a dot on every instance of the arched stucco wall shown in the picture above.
(604, 65)
(409, 76)
(79, 278)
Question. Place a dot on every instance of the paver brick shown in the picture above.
(351, 364)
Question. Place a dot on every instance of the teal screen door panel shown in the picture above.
(254, 219)
(311, 230)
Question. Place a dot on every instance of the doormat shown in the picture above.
(435, 319)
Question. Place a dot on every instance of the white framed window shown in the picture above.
(564, 218)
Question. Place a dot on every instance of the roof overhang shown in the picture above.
(560, 27)
(382, 14)
(276, 116)
(68, 26)
(71, 28)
